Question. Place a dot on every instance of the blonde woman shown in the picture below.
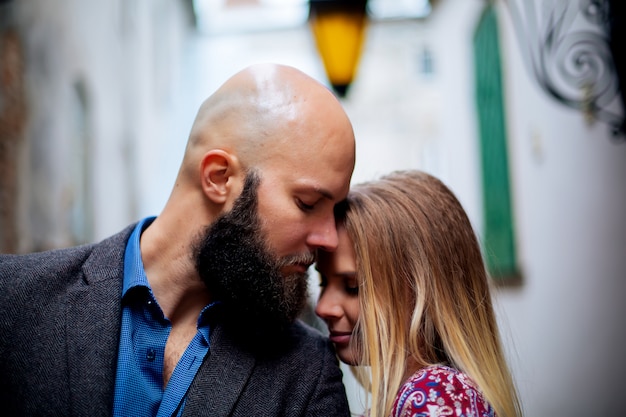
(406, 293)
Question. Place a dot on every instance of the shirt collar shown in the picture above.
(134, 274)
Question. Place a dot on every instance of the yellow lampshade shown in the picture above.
(339, 30)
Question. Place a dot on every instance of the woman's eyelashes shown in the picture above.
(350, 284)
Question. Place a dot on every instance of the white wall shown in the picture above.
(567, 318)
(121, 52)
(563, 327)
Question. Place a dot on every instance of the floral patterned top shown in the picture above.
(440, 391)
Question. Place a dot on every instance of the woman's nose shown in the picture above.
(327, 306)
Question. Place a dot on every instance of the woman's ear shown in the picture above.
(220, 171)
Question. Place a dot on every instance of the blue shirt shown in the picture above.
(145, 329)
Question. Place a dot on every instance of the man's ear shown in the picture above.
(220, 171)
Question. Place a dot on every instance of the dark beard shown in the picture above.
(258, 303)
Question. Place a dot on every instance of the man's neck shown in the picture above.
(172, 274)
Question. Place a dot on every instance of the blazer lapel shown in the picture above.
(93, 323)
(220, 379)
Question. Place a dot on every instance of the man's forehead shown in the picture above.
(334, 191)
(303, 172)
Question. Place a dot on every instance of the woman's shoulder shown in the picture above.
(441, 391)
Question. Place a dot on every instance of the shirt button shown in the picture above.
(150, 355)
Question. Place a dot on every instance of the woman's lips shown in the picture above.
(340, 338)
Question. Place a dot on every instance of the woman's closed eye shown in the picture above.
(351, 286)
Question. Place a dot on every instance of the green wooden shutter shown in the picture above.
(498, 234)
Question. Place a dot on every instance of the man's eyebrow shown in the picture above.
(325, 193)
(309, 186)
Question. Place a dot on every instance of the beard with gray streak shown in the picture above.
(258, 303)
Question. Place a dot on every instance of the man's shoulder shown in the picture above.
(308, 334)
(62, 261)
(297, 343)
(307, 343)
(299, 378)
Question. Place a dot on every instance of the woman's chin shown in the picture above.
(347, 356)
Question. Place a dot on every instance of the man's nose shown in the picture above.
(324, 235)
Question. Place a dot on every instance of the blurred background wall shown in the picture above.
(97, 98)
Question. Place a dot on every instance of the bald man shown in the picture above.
(195, 312)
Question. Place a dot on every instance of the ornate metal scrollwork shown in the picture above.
(567, 48)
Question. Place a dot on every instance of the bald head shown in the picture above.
(265, 110)
(289, 133)
(276, 124)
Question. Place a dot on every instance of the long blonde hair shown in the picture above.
(424, 291)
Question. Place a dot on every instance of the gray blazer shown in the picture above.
(60, 316)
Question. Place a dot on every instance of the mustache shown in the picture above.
(306, 258)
